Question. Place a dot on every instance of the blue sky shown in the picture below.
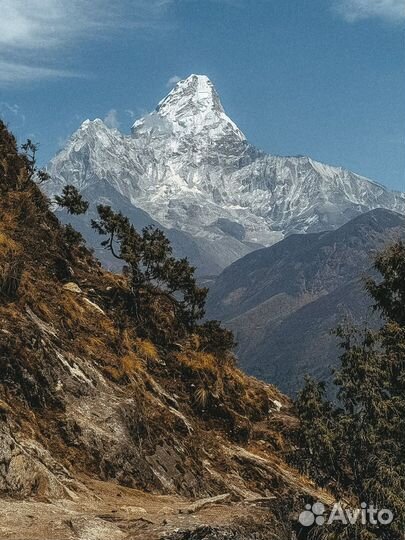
(324, 78)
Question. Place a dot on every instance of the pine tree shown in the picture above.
(72, 201)
(152, 270)
(360, 442)
(318, 433)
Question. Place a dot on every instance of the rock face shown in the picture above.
(192, 170)
(283, 301)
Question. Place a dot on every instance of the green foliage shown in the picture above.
(72, 237)
(72, 201)
(389, 294)
(13, 166)
(30, 150)
(214, 338)
(151, 268)
(360, 444)
(319, 435)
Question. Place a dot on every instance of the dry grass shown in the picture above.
(146, 349)
(198, 361)
(113, 373)
(131, 364)
(94, 347)
(44, 312)
(11, 266)
(191, 343)
(8, 245)
(201, 396)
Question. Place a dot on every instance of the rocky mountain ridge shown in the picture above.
(283, 301)
(191, 169)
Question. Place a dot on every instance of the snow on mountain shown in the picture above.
(190, 167)
(192, 109)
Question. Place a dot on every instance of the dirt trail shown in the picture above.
(112, 512)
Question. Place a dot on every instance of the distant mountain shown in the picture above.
(192, 170)
(184, 245)
(283, 301)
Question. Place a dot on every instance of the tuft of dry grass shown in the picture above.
(8, 245)
(130, 364)
(201, 396)
(146, 349)
(198, 361)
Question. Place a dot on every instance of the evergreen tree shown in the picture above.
(319, 435)
(14, 166)
(30, 151)
(360, 443)
(72, 201)
(151, 268)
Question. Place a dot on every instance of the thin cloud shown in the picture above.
(172, 81)
(357, 10)
(13, 72)
(111, 119)
(11, 108)
(48, 27)
(11, 112)
(130, 113)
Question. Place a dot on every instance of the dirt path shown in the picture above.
(112, 512)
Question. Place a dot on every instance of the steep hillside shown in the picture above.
(282, 302)
(191, 169)
(109, 428)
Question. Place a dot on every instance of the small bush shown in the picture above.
(72, 237)
(214, 338)
(10, 278)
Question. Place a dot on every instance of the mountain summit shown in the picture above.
(191, 109)
(195, 90)
(191, 169)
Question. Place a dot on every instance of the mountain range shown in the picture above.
(193, 172)
(283, 301)
(253, 224)
(120, 423)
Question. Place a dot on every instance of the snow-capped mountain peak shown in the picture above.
(189, 167)
(196, 93)
(192, 108)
